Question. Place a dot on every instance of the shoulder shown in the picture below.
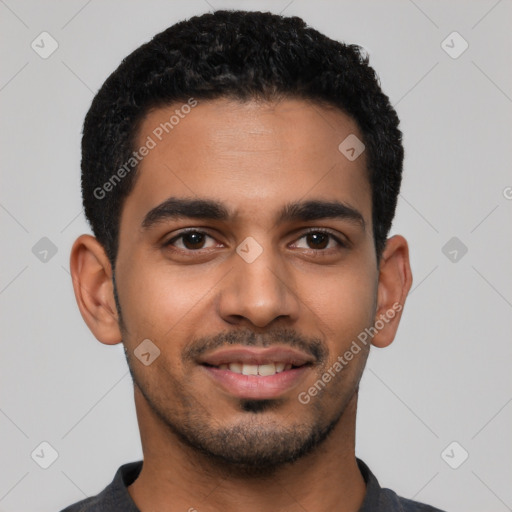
(379, 499)
(114, 496)
(389, 500)
(92, 504)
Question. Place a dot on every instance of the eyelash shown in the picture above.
(191, 252)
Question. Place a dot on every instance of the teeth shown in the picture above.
(236, 367)
(267, 369)
(250, 369)
(264, 370)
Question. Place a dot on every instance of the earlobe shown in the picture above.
(91, 273)
(395, 280)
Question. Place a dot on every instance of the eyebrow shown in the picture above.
(175, 208)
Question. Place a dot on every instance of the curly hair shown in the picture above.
(240, 55)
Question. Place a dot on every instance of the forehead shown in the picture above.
(252, 156)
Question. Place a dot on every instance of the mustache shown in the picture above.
(245, 337)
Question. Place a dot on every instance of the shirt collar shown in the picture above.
(117, 492)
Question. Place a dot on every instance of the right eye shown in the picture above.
(191, 240)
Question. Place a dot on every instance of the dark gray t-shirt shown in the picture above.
(115, 497)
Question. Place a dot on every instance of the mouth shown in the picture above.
(256, 373)
(263, 370)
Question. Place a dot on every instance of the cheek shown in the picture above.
(159, 300)
(344, 303)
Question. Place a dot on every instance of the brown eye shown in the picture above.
(318, 240)
(189, 240)
(193, 240)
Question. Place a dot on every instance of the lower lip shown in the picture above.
(255, 386)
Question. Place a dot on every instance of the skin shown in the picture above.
(254, 157)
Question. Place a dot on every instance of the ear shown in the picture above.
(91, 273)
(395, 280)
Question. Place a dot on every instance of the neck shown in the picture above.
(176, 477)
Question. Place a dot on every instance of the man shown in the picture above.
(240, 173)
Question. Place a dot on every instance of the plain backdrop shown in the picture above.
(446, 379)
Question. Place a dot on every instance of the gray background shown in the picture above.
(447, 375)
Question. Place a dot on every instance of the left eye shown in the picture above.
(320, 239)
(194, 240)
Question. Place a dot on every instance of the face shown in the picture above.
(246, 246)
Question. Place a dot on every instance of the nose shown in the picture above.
(259, 292)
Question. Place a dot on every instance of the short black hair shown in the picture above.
(241, 55)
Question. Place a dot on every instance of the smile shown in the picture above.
(264, 370)
(257, 373)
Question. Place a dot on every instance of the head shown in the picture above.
(233, 126)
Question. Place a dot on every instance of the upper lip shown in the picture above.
(257, 356)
